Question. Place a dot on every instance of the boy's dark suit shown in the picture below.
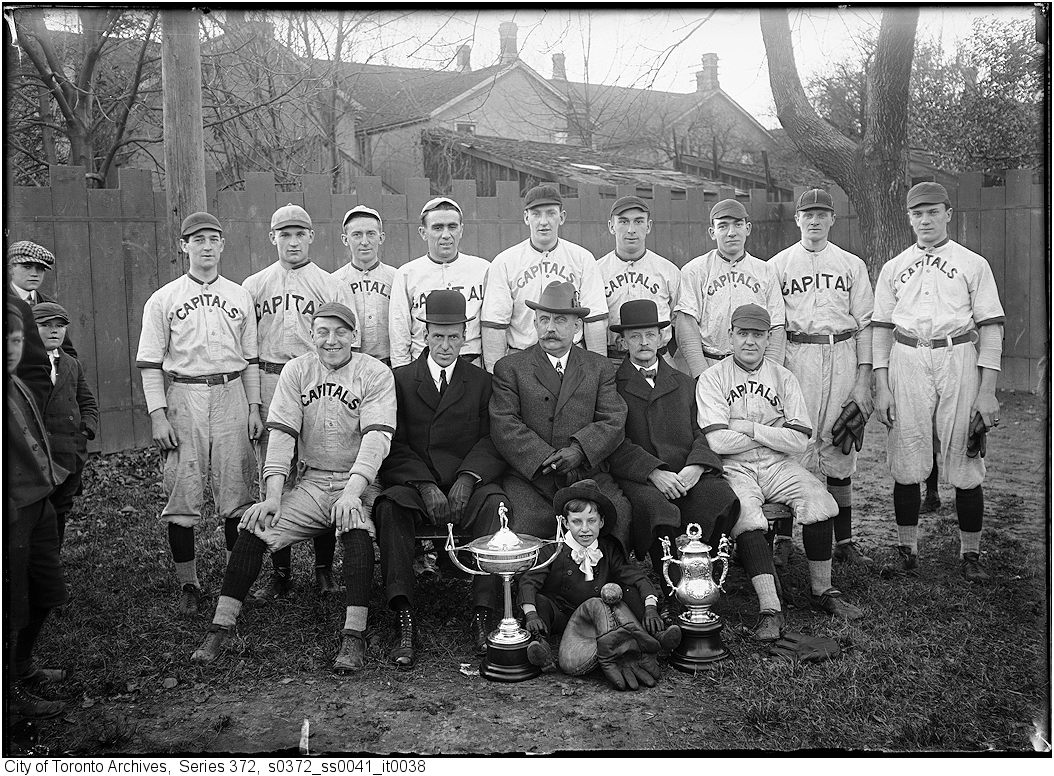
(662, 431)
(534, 413)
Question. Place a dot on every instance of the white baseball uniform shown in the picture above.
(932, 294)
(203, 331)
(371, 292)
(410, 287)
(826, 292)
(520, 273)
(712, 287)
(764, 468)
(649, 277)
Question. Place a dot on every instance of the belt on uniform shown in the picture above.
(715, 356)
(271, 368)
(818, 339)
(942, 342)
(207, 379)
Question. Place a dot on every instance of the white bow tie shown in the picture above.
(585, 557)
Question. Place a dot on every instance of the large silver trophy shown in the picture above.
(700, 628)
(506, 555)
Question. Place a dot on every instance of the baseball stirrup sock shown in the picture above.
(227, 611)
(358, 567)
(754, 553)
(181, 542)
(325, 549)
(931, 480)
(817, 538)
(969, 507)
(282, 561)
(765, 587)
(230, 533)
(906, 503)
(244, 567)
(842, 492)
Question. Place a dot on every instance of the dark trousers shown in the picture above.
(34, 577)
(62, 497)
(555, 617)
(396, 529)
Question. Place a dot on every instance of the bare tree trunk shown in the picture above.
(871, 172)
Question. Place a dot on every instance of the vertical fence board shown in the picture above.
(1017, 281)
(510, 209)
(662, 216)
(368, 191)
(487, 227)
(1039, 313)
(993, 232)
(698, 225)
(396, 248)
(25, 205)
(318, 195)
(464, 193)
(234, 209)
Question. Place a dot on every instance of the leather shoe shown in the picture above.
(34, 675)
(352, 653)
(402, 653)
(25, 704)
(832, 602)
(849, 554)
(211, 647)
(480, 629)
(971, 568)
(278, 586)
(189, 599)
(324, 581)
(769, 626)
(670, 638)
(539, 653)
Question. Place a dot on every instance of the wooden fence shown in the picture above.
(112, 252)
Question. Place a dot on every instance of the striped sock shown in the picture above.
(355, 618)
(187, 573)
(227, 611)
(765, 587)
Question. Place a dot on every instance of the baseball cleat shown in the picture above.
(971, 568)
(352, 653)
(539, 653)
(278, 586)
(23, 703)
(324, 581)
(212, 646)
(832, 602)
(849, 554)
(189, 599)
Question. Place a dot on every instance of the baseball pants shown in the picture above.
(777, 478)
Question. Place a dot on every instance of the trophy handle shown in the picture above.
(667, 559)
(452, 551)
(558, 540)
(723, 555)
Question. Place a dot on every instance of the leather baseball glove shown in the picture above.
(810, 649)
(848, 429)
(976, 442)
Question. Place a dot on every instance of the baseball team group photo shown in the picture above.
(364, 403)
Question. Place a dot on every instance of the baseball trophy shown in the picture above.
(701, 629)
(506, 555)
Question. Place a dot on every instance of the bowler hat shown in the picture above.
(444, 306)
(590, 491)
(622, 204)
(928, 193)
(360, 210)
(638, 314)
(751, 316)
(815, 199)
(559, 297)
(728, 208)
(545, 194)
(335, 310)
(45, 311)
(290, 215)
(26, 252)
(195, 222)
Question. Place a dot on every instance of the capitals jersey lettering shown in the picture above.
(412, 284)
(191, 328)
(712, 287)
(824, 292)
(941, 291)
(285, 301)
(330, 410)
(520, 273)
(371, 293)
(649, 277)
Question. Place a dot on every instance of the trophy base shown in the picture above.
(700, 646)
(507, 663)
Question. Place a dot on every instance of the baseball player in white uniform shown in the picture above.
(200, 331)
(937, 346)
(442, 267)
(339, 407)
(755, 417)
(828, 300)
(521, 272)
(286, 295)
(369, 279)
(716, 283)
(632, 271)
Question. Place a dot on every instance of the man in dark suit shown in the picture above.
(442, 467)
(555, 416)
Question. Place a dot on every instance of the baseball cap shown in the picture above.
(751, 316)
(545, 194)
(728, 208)
(815, 199)
(928, 193)
(441, 203)
(45, 311)
(335, 310)
(26, 252)
(290, 215)
(622, 204)
(360, 210)
(195, 222)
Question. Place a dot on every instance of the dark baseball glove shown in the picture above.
(976, 442)
(848, 429)
(810, 649)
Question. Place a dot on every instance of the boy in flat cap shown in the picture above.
(716, 283)
(633, 271)
(521, 272)
(369, 279)
(339, 406)
(71, 414)
(938, 343)
(286, 295)
(200, 331)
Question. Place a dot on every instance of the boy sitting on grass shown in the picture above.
(587, 560)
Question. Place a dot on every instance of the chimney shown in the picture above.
(464, 58)
(706, 78)
(507, 37)
(559, 71)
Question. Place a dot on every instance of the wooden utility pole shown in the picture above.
(184, 142)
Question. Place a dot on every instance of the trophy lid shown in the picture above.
(695, 543)
(504, 540)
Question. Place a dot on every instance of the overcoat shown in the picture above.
(69, 410)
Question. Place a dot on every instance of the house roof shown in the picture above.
(567, 164)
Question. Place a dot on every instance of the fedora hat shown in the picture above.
(590, 491)
(559, 297)
(638, 314)
(444, 307)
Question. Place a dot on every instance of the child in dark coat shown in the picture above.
(588, 559)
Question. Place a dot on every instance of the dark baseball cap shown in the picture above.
(622, 204)
(928, 193)
(751, 316)
(728, 208)
(545, 194)
(195, 222)
(335, 310)
(815, 199)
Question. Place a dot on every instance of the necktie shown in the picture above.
(442, 381)
(585, 557)
(650, 373)
(560, 370)
(54, 367)
(32, 298)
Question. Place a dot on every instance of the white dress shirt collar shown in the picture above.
(434, 369)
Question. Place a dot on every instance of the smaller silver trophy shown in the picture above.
(701, 629)
(506, 555)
